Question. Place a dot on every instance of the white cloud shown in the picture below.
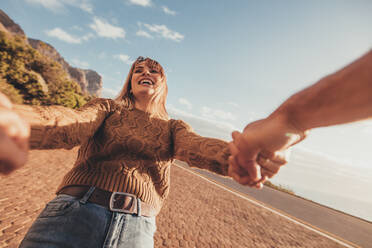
(144, 34)
(216, 114)
(185, 102)
(87, 37)
(124, 58)
(143, 3)
(164, 32)
(367, 130)
(234, 104)
(203, 126)
(109, 93)
(78, 63)
(76, 27)
(113, 80)
(86, 6)
(58, 5)
(168, 11)
(107, 30)
(63, 35)
(367, 127)
(102, 55)
(49, 4)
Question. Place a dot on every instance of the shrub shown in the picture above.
(11, 92)
(19, 66)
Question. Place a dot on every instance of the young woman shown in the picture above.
(120, 180)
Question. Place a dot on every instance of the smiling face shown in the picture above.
(145, 88)
(146, 79)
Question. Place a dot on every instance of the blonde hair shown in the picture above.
(156, 107)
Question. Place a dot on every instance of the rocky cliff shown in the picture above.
(89, 81)
(7, 24)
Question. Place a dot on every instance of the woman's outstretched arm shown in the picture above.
(59, 127)
(205, 153)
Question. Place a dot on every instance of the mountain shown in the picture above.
(88, 83)
(7, 24)
(33, 72)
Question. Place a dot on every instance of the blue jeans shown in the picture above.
(68, 222)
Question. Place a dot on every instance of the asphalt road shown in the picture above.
(327, 220)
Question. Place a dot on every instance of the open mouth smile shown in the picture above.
(146, 81)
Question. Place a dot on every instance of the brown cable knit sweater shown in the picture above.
(122, 150)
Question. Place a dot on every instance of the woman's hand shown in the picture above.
(14, 135)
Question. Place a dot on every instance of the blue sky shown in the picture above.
(227, 62)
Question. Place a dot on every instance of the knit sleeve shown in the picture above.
(55, 127)
(205, 153)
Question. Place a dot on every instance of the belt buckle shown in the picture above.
(114, 199)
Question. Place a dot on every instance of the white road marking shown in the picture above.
(269, 209)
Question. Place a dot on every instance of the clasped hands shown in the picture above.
(261, 149)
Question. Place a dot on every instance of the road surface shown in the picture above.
(327, 220)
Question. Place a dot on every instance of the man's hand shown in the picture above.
(14, 135)
(262, 148)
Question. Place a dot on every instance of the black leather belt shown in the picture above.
(115, 201)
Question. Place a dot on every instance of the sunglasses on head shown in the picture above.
(140, 59)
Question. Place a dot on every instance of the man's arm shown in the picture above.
(342, 97)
